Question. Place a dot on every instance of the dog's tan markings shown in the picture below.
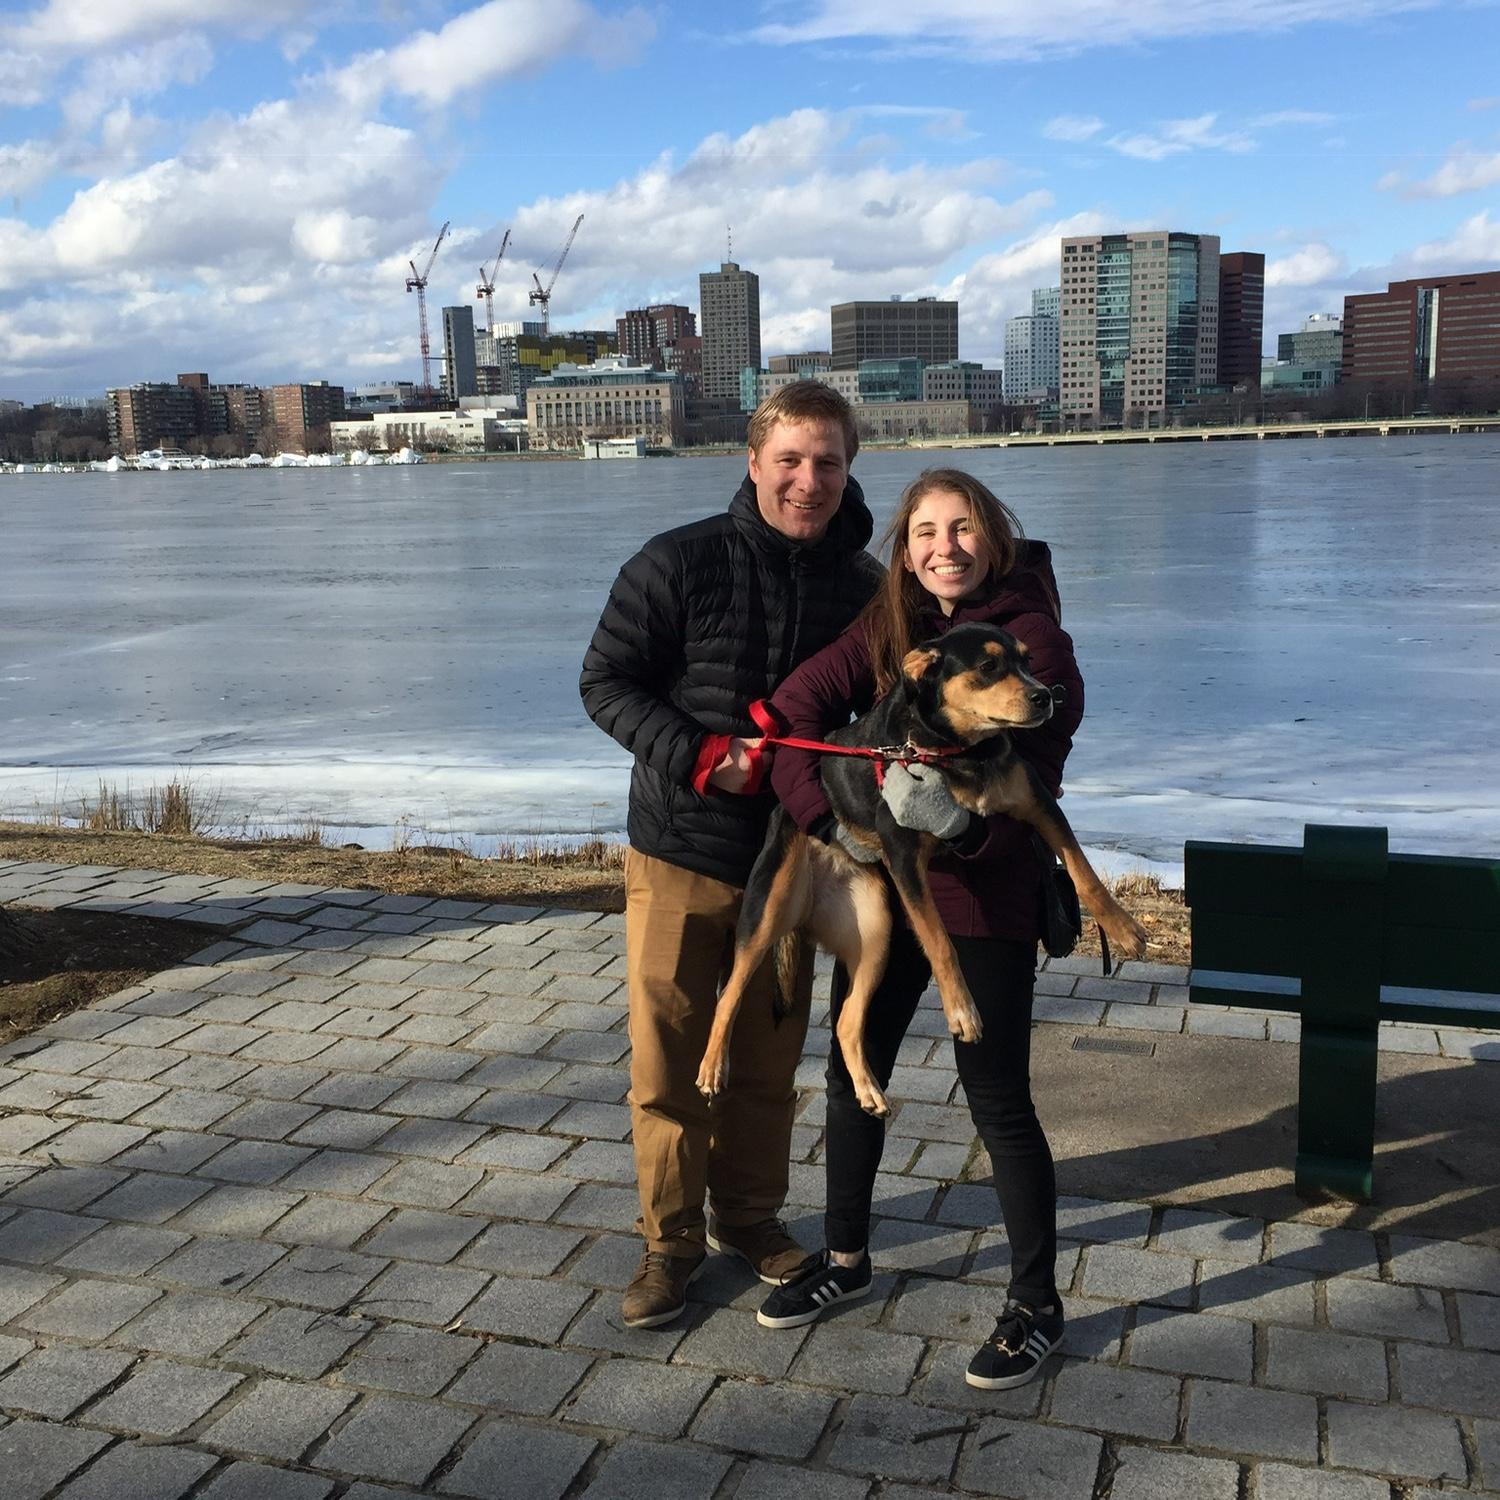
(953, 990)
(785, 910)
(851, 919)
(915, 663)
(974, 702)
(994, 648)
(1023, 796)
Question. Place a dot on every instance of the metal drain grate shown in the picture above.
(1114, 1044)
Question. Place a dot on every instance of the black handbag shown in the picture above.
(1062, 917)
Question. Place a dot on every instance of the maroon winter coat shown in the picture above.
(991, 889)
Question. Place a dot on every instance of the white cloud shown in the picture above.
(257, 254)
(136, 73)
(1312, 265)
(24, 78)
(1280, 117)
(990, 30)
(83, 25)
(25, 166)
(941, 122)
(1174, 137)
(239, 191)
(1479, 104)
(498, 39)
(1475, 246)
(1072, 127)
(1465, 171)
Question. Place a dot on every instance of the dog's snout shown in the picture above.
(1040, 697)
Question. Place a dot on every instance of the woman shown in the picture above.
(957, 556)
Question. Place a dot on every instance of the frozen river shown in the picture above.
(1271, 633)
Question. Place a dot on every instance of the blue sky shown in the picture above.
(237, 185)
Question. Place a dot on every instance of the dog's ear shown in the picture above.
(915, 663)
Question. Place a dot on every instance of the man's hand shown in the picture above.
(733, 771)
(919, 799)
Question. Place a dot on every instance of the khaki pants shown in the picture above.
(679, 941)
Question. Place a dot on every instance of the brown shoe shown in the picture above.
(773, 1254)
(658, 1291)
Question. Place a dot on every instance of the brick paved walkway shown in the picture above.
(342, 1206)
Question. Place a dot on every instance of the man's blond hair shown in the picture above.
(804, 401)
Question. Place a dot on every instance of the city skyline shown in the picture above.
(242, 190)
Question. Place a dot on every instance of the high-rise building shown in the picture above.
(644, 333)
(300, 410)
(1139, 325)
(460, 377)
(924, 329)
(1319, 341)
(810, 361)
(154, 415)
(963, 380)
(1242, 305)
(1431, 328)
(1031, 351)
(729, 300)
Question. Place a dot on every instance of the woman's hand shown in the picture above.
(919, 799)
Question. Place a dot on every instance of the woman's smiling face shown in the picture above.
(943, 550)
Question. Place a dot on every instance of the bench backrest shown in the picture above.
(1424, 928)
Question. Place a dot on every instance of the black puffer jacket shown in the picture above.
(701, 622)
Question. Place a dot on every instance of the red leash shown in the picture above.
(882, 755)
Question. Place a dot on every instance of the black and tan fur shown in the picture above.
(969, 689)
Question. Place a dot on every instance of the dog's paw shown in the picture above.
(1128, 937)
(965, 1024)
(711, 1080)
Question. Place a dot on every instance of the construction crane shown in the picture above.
(542, 295)
(417, 282)
(486, 292)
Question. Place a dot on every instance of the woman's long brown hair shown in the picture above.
(892, 618)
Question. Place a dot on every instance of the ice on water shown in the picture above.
(1272, 633)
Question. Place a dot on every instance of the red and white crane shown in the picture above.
(417, 282)
(486, 292)
(542, 295)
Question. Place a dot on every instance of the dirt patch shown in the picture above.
(72, 958)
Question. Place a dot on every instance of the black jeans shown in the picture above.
(996, 1075)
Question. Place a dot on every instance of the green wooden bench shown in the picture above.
(1346, 935)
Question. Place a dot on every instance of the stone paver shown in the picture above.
(278, 1419)
(343, 1206)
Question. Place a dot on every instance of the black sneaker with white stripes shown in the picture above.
(806, 1294)
(1014, 1352)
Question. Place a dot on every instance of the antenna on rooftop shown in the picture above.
(729, 243)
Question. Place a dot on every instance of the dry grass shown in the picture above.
(180, 809)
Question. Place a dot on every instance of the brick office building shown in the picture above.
(1242, 306)
(1430, 328)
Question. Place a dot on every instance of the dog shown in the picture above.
(958, 701)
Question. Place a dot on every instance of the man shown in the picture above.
(700, 623)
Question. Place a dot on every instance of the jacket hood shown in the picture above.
(848, 532)
(1030, 588)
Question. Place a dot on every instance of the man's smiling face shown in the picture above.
(799, 476)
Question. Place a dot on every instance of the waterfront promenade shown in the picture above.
(342, 1206)
(1319, 427)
